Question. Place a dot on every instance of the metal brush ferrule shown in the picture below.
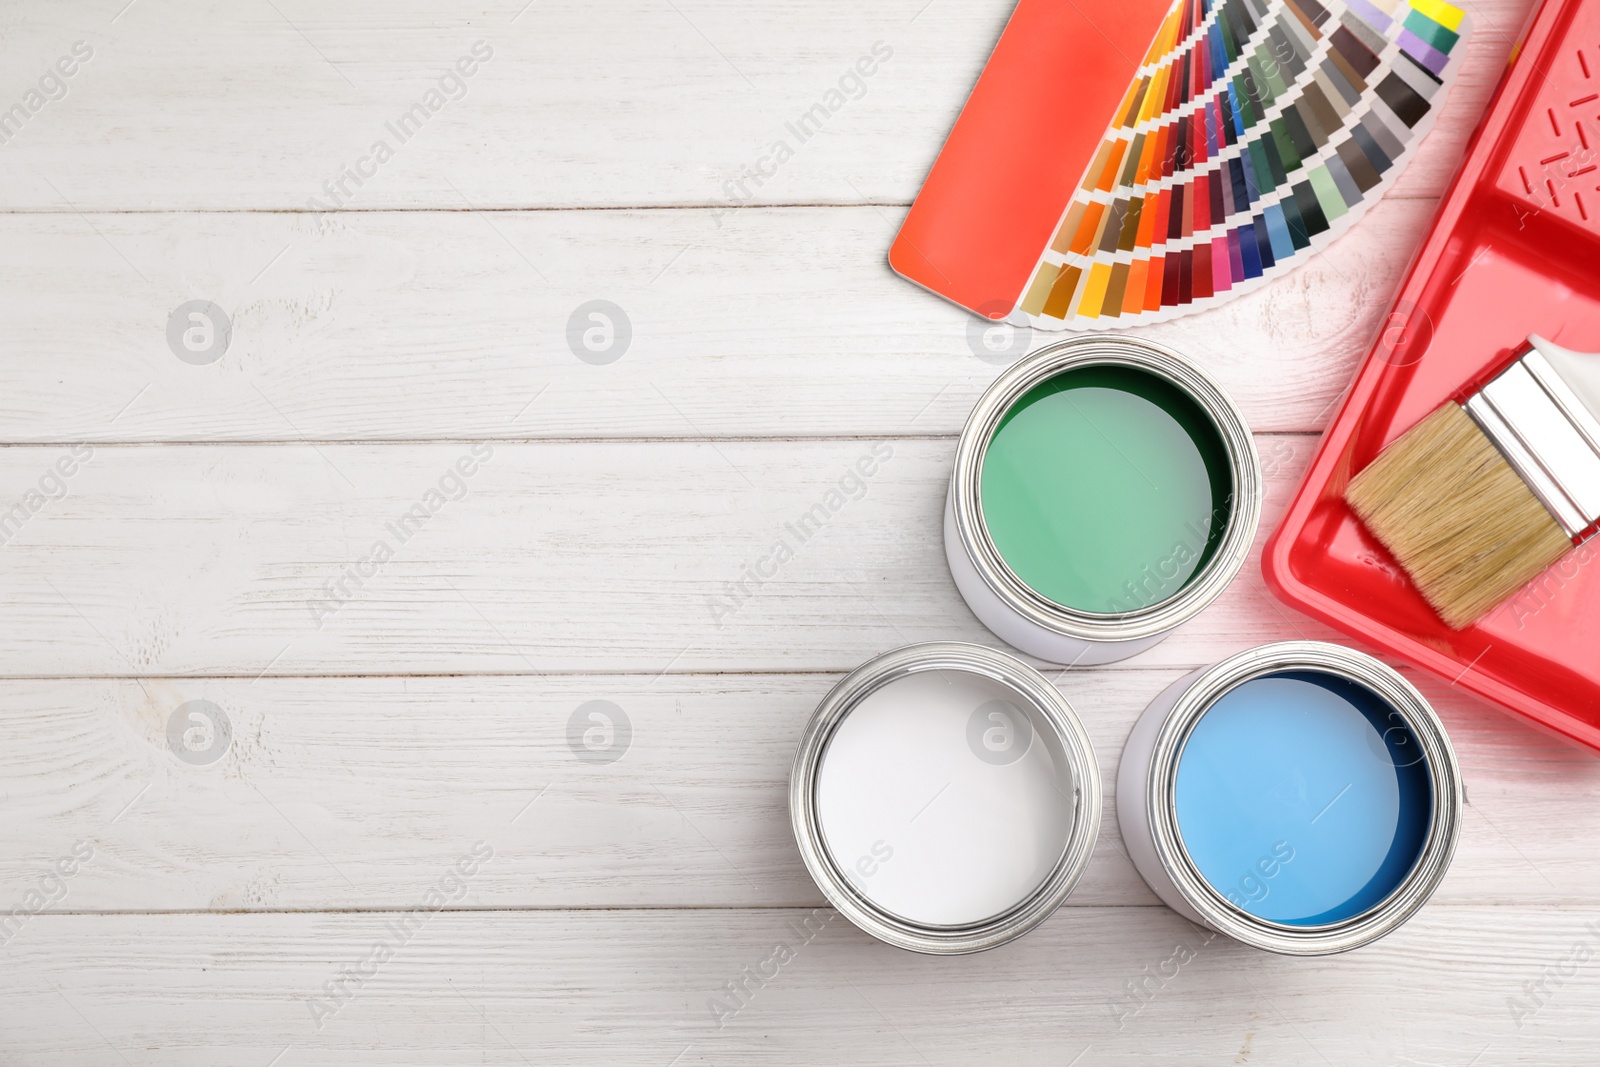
(1547, 435)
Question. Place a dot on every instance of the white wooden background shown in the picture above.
(374, 346)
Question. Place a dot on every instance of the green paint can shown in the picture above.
(1105, 491)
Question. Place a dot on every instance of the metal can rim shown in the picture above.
(1074, 742)
(1107, 350)
(1444, 776)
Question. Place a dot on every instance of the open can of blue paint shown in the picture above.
(1105, 490)
(1299, 797)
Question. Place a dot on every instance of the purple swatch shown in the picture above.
(1422, 52)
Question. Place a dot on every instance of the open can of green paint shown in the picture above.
(1105, 491)
(1300, 797)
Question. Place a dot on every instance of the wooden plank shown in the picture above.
(639, 988)
(631, 557)
(221, 107)
(446, 325)
(352, 792)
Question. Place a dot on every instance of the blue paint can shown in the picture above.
(1300, 797)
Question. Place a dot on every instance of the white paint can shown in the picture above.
(945, 797)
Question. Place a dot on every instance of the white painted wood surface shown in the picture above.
(376, 740)
(426, 325)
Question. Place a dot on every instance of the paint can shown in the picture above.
(1105, 491)
(1300, 797)
(945, 797)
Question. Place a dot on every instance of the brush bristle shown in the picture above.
(1457, 516)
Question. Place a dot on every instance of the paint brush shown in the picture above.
(1482, 495)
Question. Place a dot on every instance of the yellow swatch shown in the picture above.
(1094, 290)
(1444, 14)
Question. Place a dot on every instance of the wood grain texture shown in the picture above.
(181, 527)
(351, 792)
(214, 106)
(642, 557)
(636, 987)
(411, 326)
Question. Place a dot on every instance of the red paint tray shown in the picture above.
(1514, 250)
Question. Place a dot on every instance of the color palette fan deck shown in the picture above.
(1253, 133)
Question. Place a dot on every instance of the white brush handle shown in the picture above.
(1580, 370)
(1543, 414)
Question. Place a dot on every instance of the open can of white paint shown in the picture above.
(945, 797)
(1300, 797)
(1105, 490)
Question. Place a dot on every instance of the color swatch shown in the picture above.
(1255, 132)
